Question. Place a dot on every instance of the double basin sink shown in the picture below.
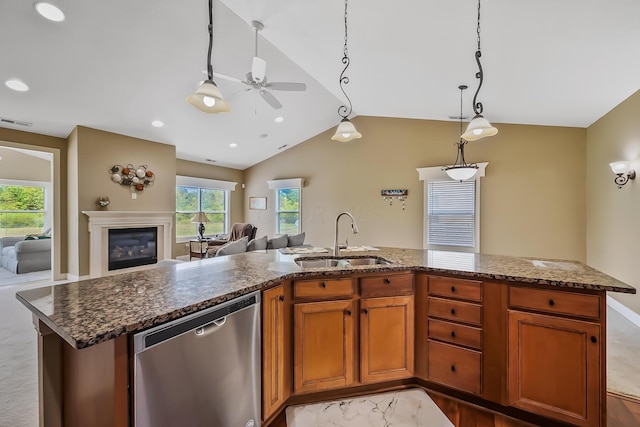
(319, 262)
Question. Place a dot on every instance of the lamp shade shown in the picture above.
(478, 128)
(619, 168)
(461, 173)
(208, 99)
(346, 131)
(200, 217)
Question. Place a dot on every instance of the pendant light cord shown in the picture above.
(343, 110)
(209, 66)
(477, 106)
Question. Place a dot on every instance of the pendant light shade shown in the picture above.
(346, 131)
(208, 99)
(461, 173)
(478, 128)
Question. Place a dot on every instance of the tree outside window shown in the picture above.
(190, 200)
(22, 210)
(288, 211)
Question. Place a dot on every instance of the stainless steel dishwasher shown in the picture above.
(202, 369)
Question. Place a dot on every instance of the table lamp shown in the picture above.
(200, 218)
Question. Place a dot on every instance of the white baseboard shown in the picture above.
(631, 315)
(75, 278)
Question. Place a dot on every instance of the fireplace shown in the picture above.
(132, 247)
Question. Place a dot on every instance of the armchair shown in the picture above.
(238, 231)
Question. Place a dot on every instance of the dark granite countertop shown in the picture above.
(96, 310)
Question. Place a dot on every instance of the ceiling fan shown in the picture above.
(256, 79)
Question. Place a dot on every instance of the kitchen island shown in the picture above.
(509, 305)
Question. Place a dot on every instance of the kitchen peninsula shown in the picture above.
(523, 336)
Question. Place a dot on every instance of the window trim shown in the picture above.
(435, 173)
(48, 196)
(287, 184)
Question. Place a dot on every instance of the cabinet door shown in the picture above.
(275, 387)
(554, 367)
(323, 345)
(386, 338)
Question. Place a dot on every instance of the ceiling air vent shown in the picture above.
(15, 122)
(283, 146)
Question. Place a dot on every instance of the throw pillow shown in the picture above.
(257, 244)
(278, 242)
(296, 239)
(236, 247)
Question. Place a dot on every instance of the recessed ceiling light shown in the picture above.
(17, 85)
(279, 119)
(157, 124)
(233, 145)
(49, 11)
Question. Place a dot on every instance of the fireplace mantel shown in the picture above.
(101, 221)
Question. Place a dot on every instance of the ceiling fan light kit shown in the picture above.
(479, 127)
(208, 98)
(346, 131)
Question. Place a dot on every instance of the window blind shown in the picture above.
(451, 213)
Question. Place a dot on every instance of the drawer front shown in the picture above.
(557, 302)
(321, 289)
(455, 288)
(455, 367)
(388, 285)
(455, 310)
(455, 333)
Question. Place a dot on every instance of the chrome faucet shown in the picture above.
(337, 246)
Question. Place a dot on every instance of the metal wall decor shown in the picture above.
(134, 178)
(400, 195)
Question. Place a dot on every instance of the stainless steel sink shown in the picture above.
(318, 262)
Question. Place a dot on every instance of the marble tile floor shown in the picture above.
(8, 278)
(406, 408)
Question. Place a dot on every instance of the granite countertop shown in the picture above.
(91, 311)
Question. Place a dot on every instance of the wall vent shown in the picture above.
(15, 122)
(283, 146)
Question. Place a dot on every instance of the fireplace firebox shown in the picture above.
(132, 247)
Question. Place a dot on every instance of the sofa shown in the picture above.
(25, 256)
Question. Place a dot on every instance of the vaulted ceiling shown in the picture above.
(118, 65)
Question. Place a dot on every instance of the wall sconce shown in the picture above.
(388, 196)
(623, 174)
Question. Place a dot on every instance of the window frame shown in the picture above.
(433, 174)
(47, 196)
(287, 184)
(205, 184)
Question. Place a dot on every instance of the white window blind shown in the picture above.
(451, 213)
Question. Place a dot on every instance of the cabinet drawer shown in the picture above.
(455, 288)
(455, 367)
(389, 285)
(321, 289)
(455, 310)
(455, 333)
(558, 302)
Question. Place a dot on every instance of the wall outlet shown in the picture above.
(134, 196)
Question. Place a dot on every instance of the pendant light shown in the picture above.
(460, 170)
(479, 127)
(346, 130)
(208, 98)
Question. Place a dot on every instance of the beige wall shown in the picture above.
(23, 167)
(613, 215)
(201, 170)
(533, 195)
(57, 147)
(91, 154)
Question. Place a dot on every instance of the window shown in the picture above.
(209, 196)
(452, 211)
(22, 209)
(288, 204)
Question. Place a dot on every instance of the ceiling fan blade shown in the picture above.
(271, 100)
(300, 87)
(231, 79)
(258, 69)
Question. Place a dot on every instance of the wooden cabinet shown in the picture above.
(386, 338)
(276, 358)
(556, 364)
(454, 333)
(324, 345)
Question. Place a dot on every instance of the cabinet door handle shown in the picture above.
(348, 312)
(594, 339)
(281, 298)
(323, 284)
(453, 289)
(366, 311)
(453, 368)
(387, 281)
(453, 334)
(453, 311)
(552, 302)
